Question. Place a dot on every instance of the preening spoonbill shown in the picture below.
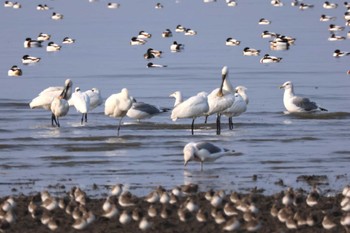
(219, 100)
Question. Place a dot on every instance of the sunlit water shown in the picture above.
(268, 143)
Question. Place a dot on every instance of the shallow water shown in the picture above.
(268, 143)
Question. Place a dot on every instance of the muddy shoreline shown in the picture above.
(175, 210)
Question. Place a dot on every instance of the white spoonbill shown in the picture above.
(219, 100)
(141, 110)
(59, 107)
(204, 152)
(95, 98)
(239, 106)
(193, 107)
(295, 103)
(117, 105)
(44, 99)
(81, 102)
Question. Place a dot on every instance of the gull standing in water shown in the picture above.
(117, 105)
(204, 152)
(81, 102)
(219, 100)
(141, 110)
(295, 103)
(193, 107)
(46, 97)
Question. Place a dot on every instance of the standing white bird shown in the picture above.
(44, 99)
(54, 99)
(81, 102)
(204, 152)
(59, 107)
(95, 98)
(295, 103)
(239, 106)
(193, 107)
(117, 105)
(219, 100)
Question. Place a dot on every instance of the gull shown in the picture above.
(203, 152)
(81, 102)
(117, 105)
(295, 103)
(192, 107)
(141, 110)
(219, 100)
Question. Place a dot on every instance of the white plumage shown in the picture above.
(117, 105)
(81, 102)
(54, 99)
(203, 152)
(295, 103)
(219, 100)
(44, 99)
(193, 107)
(239, 106)
(95, 98)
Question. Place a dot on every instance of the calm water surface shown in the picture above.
(269, 144)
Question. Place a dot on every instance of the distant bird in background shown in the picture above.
(203, 152)
(117, 105)
(295, 104)
(15, 71)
